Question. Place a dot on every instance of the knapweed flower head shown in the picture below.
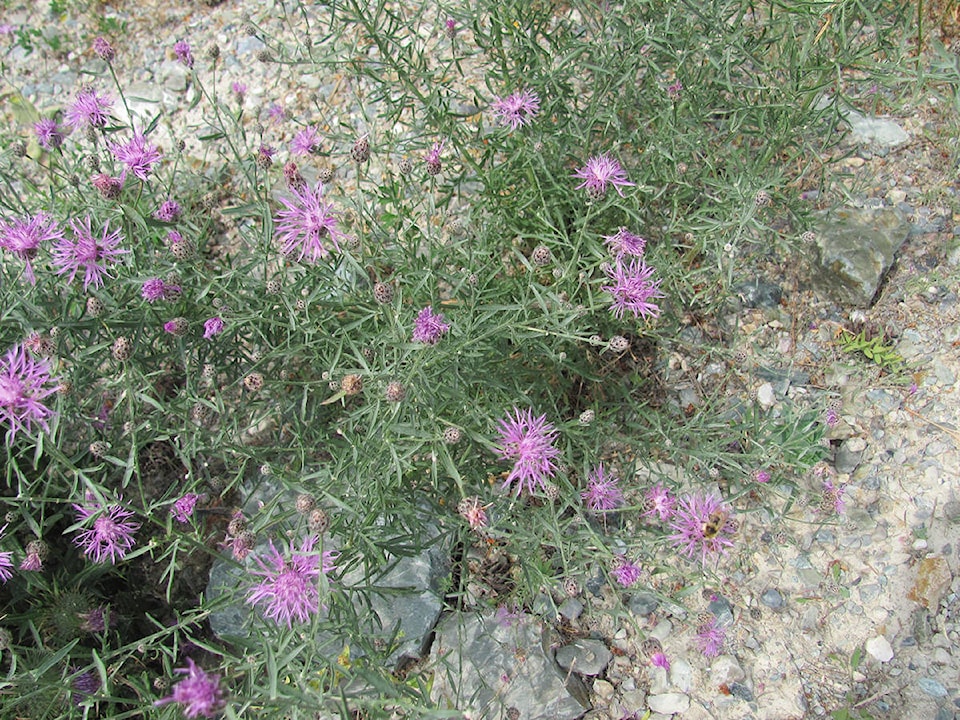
(625, 242)
(702, 526)
(602, 493)
(517, 109)
(87, 252)
(710, 638)
(109, 187)
(289, 586)
(24, 383)
(109, 537)
(239, 90)
(633, 289)
(625, 572)
(199, 693)
(103, 49)
(307, 225)
(184, 54)
(276, 113)
(599, 173)
(658, 502)
(24, 236)
(432, 159)
(83, 686)
(305, 142)
(183, 508)
(157, 289)
(833, 496)
(762, 476)
(528, 442)
(473, 511)
(429, 327)
(48, 134)
(169, 211)
(137, 155)
(211, 327)
(6, 561)
(659, 659)
(89, 109)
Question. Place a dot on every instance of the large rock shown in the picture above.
(855, 247)
(486, 667)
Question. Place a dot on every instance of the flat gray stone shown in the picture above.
(486, 667)
(878, 131)
(854, 248)
(669, 703)
(584, 657)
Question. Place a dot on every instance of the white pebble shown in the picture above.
(879, 649)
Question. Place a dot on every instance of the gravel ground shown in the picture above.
(807, 594)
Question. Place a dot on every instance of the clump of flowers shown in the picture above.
(633, 290)
(307, 225)
(528, 442)
(88, 253)
(89, 109)
(169, 211)
(434, 164)
(600, 172)
(157, 289)
(625, 572)
(429, 327)
(288, 587)
(711, 637)
(6, 561)
(602, 494)
(137, 155)
(199, 693)
(212, 326)
(659, 659)
(25, 382)
(110, 536)
(517, 109)
(702, 526)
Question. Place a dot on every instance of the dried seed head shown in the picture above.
(404, 166)
(325, 175)
(395, 392)
(762, 199)
(619, 344)
(541, 255)
(273, 287)
(38, 548)
(293, 177)
(213, 52)
(434, 167)
(177, 327)
(571, 587)
(300, 305)
(319, 521)
(92, 162)
(452, 435)
(809, 236)
(360, 152)
(586, 417)
(237, 525)
(305, 503)
(99, 448)
(552, 491)
(65, 388)
(264, 56)
(383, 293)
(351, 384)
(19, 149)
(121, 349)
(181, 249)
(253, 382)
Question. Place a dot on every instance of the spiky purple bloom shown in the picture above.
(276, 113)
(432, 159)
(178, 326)
(84, 685)
(97, 620)
(111, 535)
(429, 327)
(305, 142)
(22, 388)
(625, 572)
(517, 109)
(199, 693)
(289, 588)
(450, 28)
(659, 502)
(212, 326)
(701, 525)
(633, 289)
(599, 172)
(528, 441)
(602, 493)
(182, 509)
(103, 49)
(762, 476)
(307, 224)
(239, 90)
(89, 253)
(23, 237)
(137, 155)
(109, 187)
(48, 134)
(181, 49)
(507, 615)
(169, 211)
(6, 561)
(833, 494)
(89, 109)
(32, 562)
(659, 659)
(710, 638)
(156, 289)
(625, 242)
(673, 90)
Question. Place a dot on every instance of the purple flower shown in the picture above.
(625, 572)
(429, 327)
(199, 693)
(832, 417)
(156, 289)
(450, 28)
(181, 49)
(307, 224)
(600, 171)
(673, 90)
(276, 113)
(89, 109)
(710, 638)
(23, 237)
(6, 561)
(289, 587)
(84, 685)
(701, 525)
(169, 211)
(659, 502)
(137, 155)
(762, 476)
(633, 289)
(517, 109)
(32, 562)
(833, 495)
(305, 142)
(48, 134)
(22, 381)
(103, 49)
(92, 254)
(528, 441)
(434, 166)
(659, 659)
(625, 243)
(178, 326)
(507, 615)
(213, 326)
(239, 90)
(108, 186)
(602, 493)
(98, 619)
(111, 536)
(182, 509)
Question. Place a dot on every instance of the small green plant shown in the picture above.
(874, 347)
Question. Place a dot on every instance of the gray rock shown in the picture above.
(741, 691)
(643, 604)
(951, 511)
(584, 657)
(669, 703)
(933, 688)
(854, 249)
(487, 667)
(725, 670)
(571, 608)
(879, 132)
(772, 598)
(681, 675)
(758, 293)
(846, 459)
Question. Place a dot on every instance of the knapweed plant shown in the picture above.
(428, 298)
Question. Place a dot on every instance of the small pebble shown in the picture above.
(932, 687)
(772, 598)
(879, 649)
(669, 703)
